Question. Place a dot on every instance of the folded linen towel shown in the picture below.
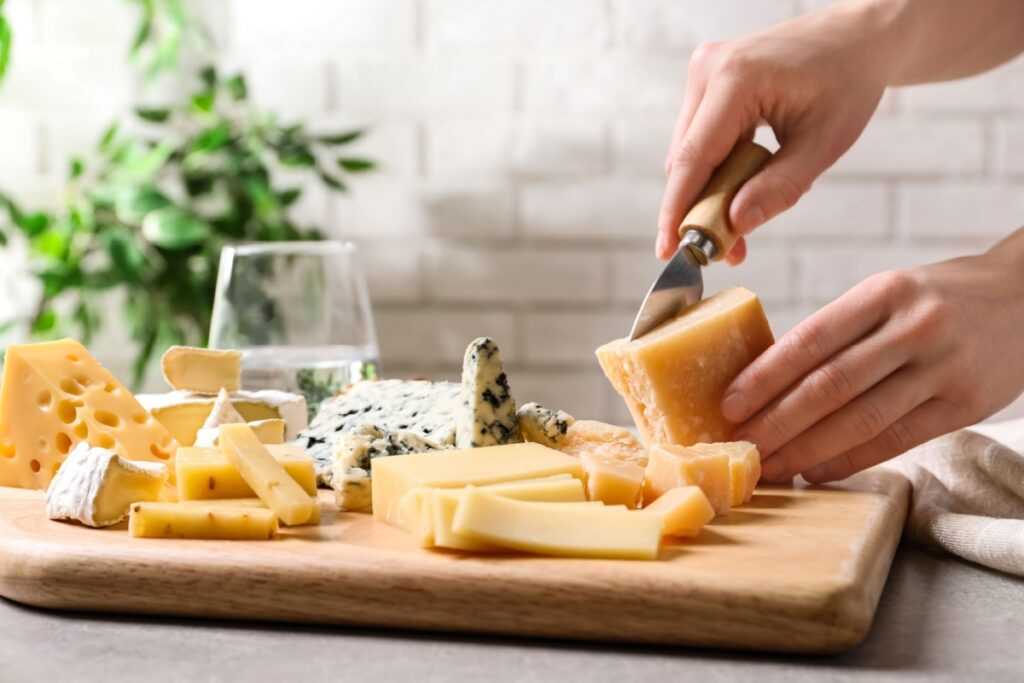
(968, 494)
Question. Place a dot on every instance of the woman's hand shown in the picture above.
(902, 358)
(815, 80)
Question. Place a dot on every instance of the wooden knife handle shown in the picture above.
(710, 215)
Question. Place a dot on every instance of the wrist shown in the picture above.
(875, 33)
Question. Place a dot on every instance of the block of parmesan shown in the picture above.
(611, 441)
(744, 467)
(672, 466)
(673, 377)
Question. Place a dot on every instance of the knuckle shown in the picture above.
(869, 421)
(831, 384)
(799, 456)
(773, 427)
(785, 188)
(806, 341)
(686, 154)
(702, 56)
(934, 317)
(896, 285)
(897, 438)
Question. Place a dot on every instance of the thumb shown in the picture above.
(780, 184)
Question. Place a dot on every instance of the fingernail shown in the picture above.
(735, 407)
(750, 219)
(772, 469)
(661, 246)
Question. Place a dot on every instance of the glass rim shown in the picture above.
(294, 247)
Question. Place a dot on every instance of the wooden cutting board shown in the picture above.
(799, 569)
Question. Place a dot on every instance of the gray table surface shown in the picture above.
(939, 619)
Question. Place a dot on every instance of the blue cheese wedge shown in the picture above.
(542, 425)
(354, 451)
(96, 486)
(488, 411)
(428, 410)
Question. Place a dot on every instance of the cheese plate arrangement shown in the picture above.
(436, 505)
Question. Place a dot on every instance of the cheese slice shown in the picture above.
(183, 413)
(95, 486)
(683, 510)
(569, 530)
(206, 473)
(209, 520)
(54, 396)
(267, 478)
(673, 378)
(744, 467)
(611, 481)
(188, 368)
(671, 466)
(488, 416)
(394, 476)
(314, 520)
(590, 436)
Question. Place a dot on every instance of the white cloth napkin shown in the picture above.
(968, 494)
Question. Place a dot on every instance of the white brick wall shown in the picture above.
(521, 147)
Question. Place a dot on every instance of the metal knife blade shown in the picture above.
(705, 237)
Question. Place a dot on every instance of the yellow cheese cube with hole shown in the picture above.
(206, 473)
(395, 475)
(744, 467)
(206, 520)
(683, 510)
(54, 396)
(264, 475)
(611, 481)
(671, 466)
(187, 368)
(255, 503)
(590, 436)
(673, 378)
(566, 529)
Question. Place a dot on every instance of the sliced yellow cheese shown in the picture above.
(565, 529)
(267, 431)
(744, 467)
(206, 520)
(187, 368)
(673, 377)
(590, 436)
(264, 475)
(54, 396)
(611, 481)
(672, 466)
(683, 511)
(414, 515)
(396, 475)
(255, 503)
(206, 473)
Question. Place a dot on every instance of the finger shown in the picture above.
(856, 423)
(714, 130)
(696, 84)
(780, 184)
(738, 253)
(842, 322)
(929, 420)
(823, 391)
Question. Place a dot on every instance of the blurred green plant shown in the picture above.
(5, 42)
(149, 212)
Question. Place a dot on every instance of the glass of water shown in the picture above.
(300, 314)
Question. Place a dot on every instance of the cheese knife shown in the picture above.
(705, 236)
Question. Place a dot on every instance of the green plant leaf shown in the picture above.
(356, 165)
(212, 139)
(75, 168)
(202, 102)
(172, 228)
(289, 196)
(134, 203)
(126, 258)
(208, 75)
(340, 138)
(237, 87)
(297, 157)
(33, 224)
(5, 46)
(45, 322)
(108, 137)
(153, 115)
(332, 182)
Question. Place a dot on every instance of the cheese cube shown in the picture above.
(683, 511)
(590, 436)
(614, 482)
(254, 503)
(673, 378)
(744, 467)
(206, 473)
(671, 466)
(208, 520)
(54, 396)
(395, 475)
(566, 529)
(208, 371)
(264, 475)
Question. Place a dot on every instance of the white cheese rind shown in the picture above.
(291, 407)
(354, 452)
(542, 425)
(77, 486)
(428, 410)
(488, 416)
